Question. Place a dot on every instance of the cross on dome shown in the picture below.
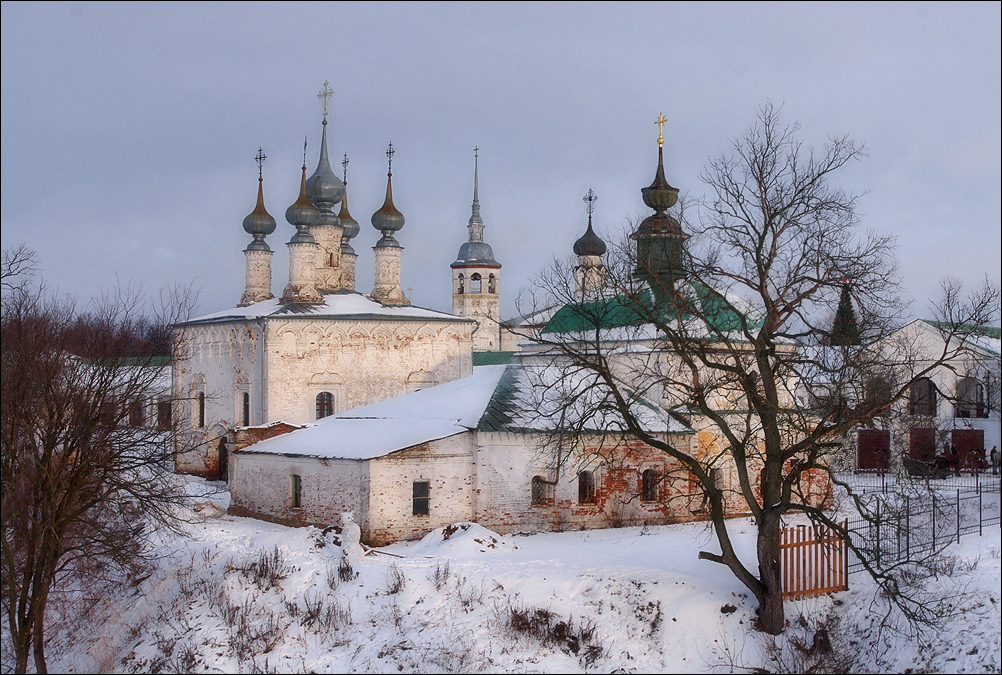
(661, 122)
(325, 96)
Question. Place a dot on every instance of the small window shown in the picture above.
(325, 404)
(295, 491)
(586, 487)
(649, 486)
(136, 413)
(163, 415)
(542, 491)
(462, 284)
(246, 409)
(420, 500)
(201, 409)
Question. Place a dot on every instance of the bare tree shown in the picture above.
(85, 475)
(729, 318)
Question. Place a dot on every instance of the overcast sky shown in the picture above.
(129, 130)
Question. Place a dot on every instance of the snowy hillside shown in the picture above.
(241, 595)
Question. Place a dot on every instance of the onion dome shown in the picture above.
(388, 219)
(589, 243)
(350, 225)
(324, 188)
(476, 251)
(302, 214)
(259, 222)
(660, 196)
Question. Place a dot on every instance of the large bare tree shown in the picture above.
(730, 314)
(87, 469)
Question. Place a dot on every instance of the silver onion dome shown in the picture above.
(324, 188)
(259, 222)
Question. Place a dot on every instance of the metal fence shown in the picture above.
(869, 482)
(901, 527)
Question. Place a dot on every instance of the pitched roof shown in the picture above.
(335, 305)
(518, 398)
(621, 316)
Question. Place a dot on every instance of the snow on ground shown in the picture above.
(465, 599)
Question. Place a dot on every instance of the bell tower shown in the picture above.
(476, 278)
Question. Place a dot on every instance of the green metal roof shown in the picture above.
(620, 311)
(492, 358)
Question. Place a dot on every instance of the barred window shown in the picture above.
(421, 497)
(542, 491)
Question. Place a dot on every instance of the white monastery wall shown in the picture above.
(261, 486)
(359, 362)
(446, 464)
(222, 361)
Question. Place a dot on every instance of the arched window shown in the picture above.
(586, 487)
(922, 398)
(462, 284)
(542, 491)
(970, 398)
(325, 404)
(492, 284)
(475, 283)
(649, 485)
(201, 409)
(246, 410)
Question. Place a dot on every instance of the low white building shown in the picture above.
(476, 449)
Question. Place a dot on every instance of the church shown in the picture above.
(326, 400)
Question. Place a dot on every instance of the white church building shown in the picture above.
(327, 400)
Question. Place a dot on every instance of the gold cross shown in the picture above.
(661, 122)
(325, 95)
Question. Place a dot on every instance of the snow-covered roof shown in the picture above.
(517, 397)
(335, 305)
(394, 424)
(550, 396)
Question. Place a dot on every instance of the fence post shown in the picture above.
(878, 532)
(981, 531)
(908, 527)
(933, 521)
(958, 515)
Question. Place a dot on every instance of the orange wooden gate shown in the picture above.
(812, 562)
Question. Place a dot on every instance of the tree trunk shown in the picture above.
(39, 640)
(770, 603)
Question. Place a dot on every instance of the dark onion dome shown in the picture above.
(324, 188)
(387, 219)
(589, 243)
(302, 214)
(660, 196)
(259, 222)
(350, 225)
